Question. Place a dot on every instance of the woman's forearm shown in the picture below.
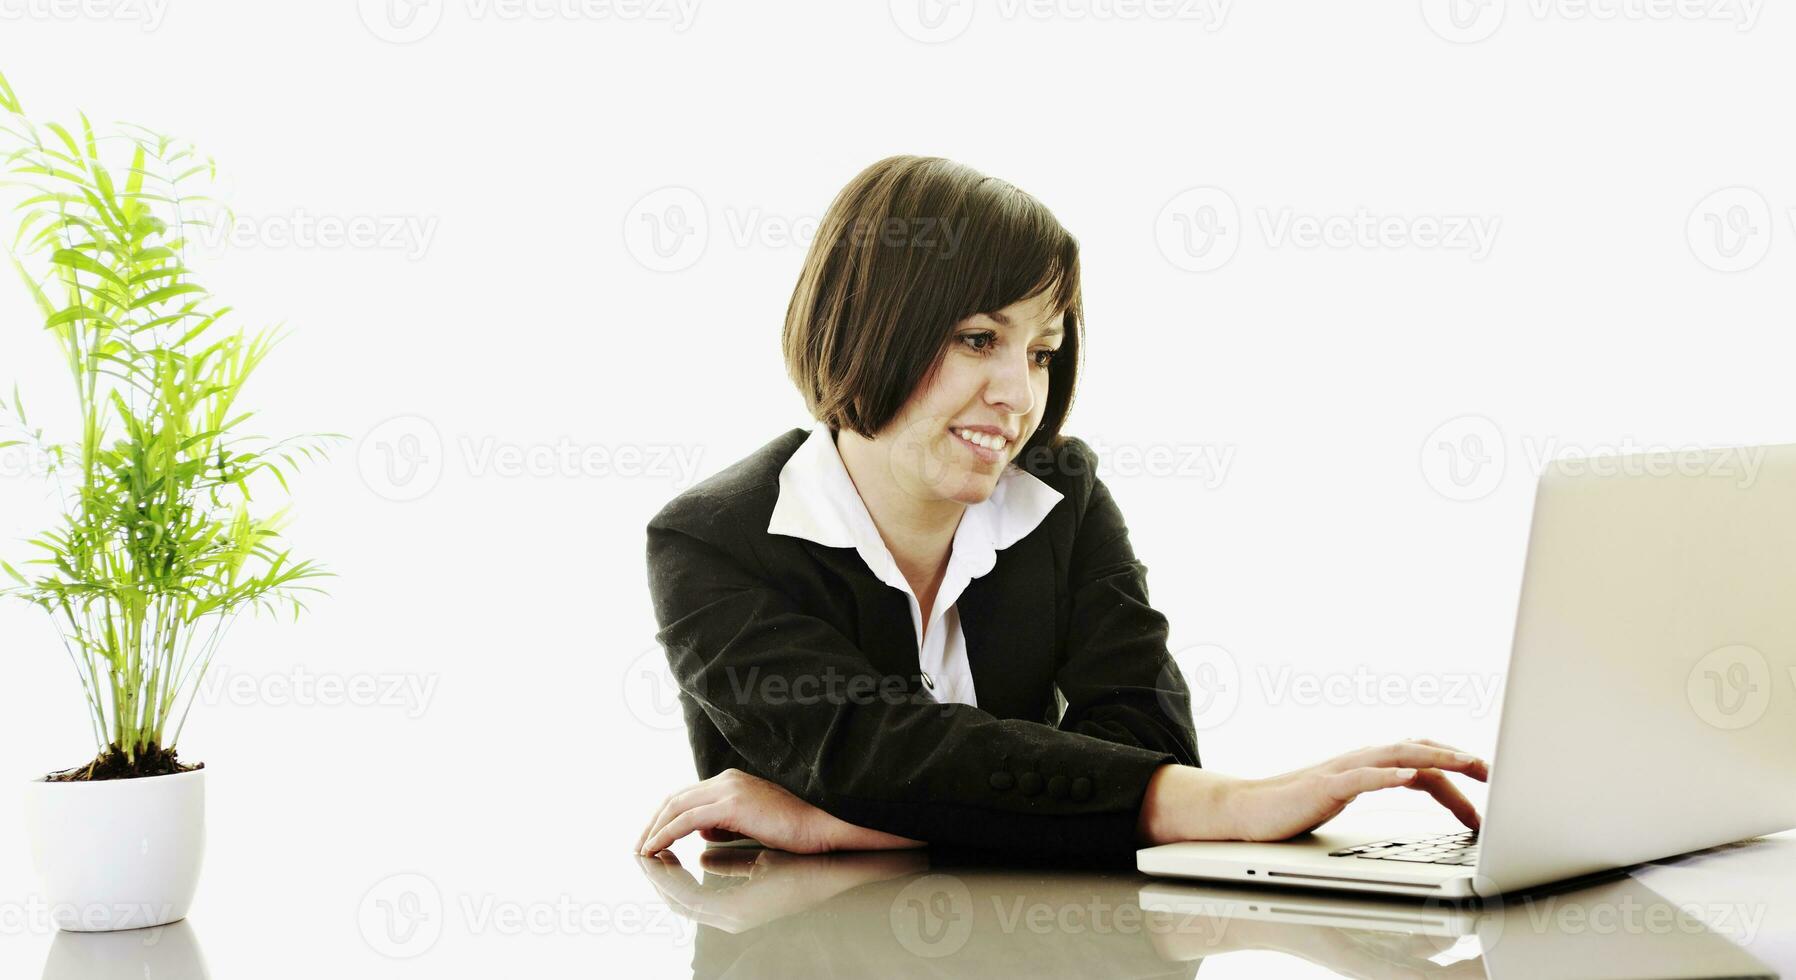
(1186, 803)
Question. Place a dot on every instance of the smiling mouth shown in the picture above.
(983, 440)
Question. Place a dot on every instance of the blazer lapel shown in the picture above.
(882, 626)
(1007, 616)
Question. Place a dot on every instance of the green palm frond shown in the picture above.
(158, 548)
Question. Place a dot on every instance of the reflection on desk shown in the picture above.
(765, 913)
(169, 952)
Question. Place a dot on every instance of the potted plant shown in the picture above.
(157, 549)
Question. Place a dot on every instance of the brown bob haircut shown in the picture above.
(911, 247)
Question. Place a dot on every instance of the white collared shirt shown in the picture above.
(818, 502)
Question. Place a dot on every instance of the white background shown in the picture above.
(514, 166)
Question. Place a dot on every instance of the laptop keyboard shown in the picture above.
(1460, 849)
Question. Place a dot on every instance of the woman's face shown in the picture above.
(972, 415)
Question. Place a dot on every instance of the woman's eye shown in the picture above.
(986, 341)
(987, 338)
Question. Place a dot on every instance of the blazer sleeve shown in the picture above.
(796, 698)
(1119, 681)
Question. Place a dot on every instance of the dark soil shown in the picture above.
(110, 764)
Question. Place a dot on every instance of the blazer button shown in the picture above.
(1029, 783)
(1057, 786)
(1001, 781)
(1082, 788)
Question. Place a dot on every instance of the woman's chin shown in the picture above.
(972, 488)
(959, 485)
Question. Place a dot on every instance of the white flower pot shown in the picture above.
(118, 853)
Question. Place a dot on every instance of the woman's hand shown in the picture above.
(734, 804)
(1184, 803)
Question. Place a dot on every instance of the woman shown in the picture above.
(874, 624)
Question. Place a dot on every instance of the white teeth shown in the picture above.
(992, 442)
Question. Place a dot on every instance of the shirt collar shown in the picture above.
(818, 502)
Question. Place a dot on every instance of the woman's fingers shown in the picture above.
(1344, 786)
(1415, 755)
(699, 817)
(660, 817)
(694, 795)
(1437, 785)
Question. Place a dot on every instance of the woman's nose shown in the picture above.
(1008, 387)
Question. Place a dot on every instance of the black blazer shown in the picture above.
(795, 663)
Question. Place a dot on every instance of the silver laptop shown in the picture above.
(1650, 703)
